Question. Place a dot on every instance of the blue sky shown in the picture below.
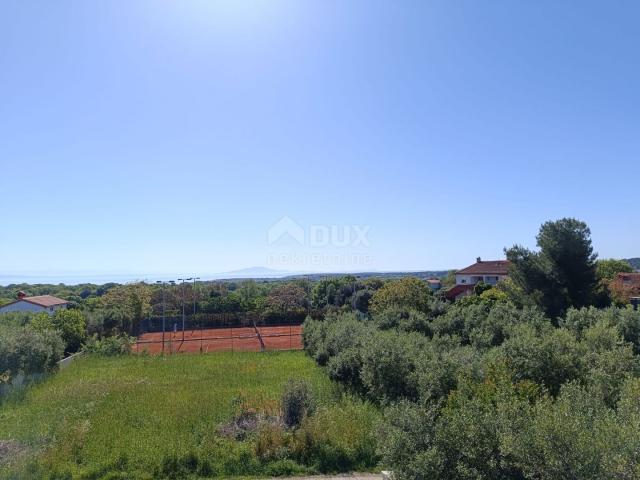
(161, 136)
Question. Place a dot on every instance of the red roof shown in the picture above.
(457, 290)
(45, 300)
(487, 267)
(629, 277)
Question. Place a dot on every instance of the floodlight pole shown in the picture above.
(183, 314)
(182, 298)
(162, 283)
(194, 278)
(194, 293)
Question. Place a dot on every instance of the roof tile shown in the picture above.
(487, 267)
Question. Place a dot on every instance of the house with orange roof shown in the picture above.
(625, 286)
(40, 303)
(488, 271)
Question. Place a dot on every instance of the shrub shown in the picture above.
(271, 442)
(338, 438)
(17, 319)
(468, 431)
(550, 358)
(346, 368)
(110, 346)
(407, 444)
(626, 320)
(609, 361)
(579, 319)
(486, 325)
(440, 366)
(174, 468)
(28, 352)
(460, 320)
(574, 437)
(388, 364)
(285, 468)
(625, 461)
(403, 319)
(313, 336)
(240, 461)
(297, 402)
(338, 332)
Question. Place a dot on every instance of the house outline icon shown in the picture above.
(286, 226)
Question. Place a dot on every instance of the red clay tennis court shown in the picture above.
(228, 339)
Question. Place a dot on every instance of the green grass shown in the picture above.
(143, 410)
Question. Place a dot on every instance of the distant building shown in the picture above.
(434, 284)
(625, 286)
(488, 271)
(40, 303)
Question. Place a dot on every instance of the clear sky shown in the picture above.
(170, 136)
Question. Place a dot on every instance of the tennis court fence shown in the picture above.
(199, 334)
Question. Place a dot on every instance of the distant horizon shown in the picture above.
(241, 274)
(249, 273)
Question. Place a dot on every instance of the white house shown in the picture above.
(40, 303)
(488, 271)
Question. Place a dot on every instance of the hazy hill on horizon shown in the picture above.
(249, 273)
(634, 262)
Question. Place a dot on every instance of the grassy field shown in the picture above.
(135, 414)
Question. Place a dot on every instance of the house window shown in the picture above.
(464, 280)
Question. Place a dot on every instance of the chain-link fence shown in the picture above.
(217, 332)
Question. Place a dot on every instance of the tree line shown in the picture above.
(535, 378)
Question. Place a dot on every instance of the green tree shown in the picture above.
(129, 305)
(408, 292)
(481, 287)
(72, 327)
(286, 297)
(607, 269)
(334, 291)
(248, 292)
(42, 322)
(562, 273)
(449, 279)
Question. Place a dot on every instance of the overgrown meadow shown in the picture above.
(163, 417)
